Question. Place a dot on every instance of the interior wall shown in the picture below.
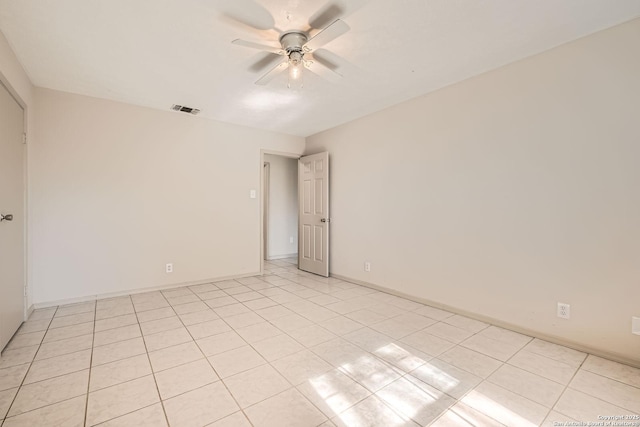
(118, 191)
(505, 194)
(13, 72)
(282, 236)
(13, 75)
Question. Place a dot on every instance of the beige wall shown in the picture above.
(283, 206)
(505, 193)
(118, 191)
(15, 78)
(13, 73)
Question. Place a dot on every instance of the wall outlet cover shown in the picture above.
(564, 310)
(635, 325)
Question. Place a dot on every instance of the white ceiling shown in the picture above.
(157, 53)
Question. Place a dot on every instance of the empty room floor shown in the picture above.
(293, 349)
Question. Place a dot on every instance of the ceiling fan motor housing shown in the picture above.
(292, 43)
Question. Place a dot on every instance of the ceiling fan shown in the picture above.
(297, 49)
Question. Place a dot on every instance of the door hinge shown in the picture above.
(24, 138)
(25, 291)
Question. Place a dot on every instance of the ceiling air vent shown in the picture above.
(176, 107)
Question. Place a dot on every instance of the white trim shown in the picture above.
(29, 311)
(551, 338)
(266, 188)
(97, 297)
(261, 211)
(275, 257)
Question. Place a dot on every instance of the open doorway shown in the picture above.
(280, 207)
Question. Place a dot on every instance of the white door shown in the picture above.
(12, 210)
(313, 240)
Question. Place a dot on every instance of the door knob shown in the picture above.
(7, 217)
(325, 220)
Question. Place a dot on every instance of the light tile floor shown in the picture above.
(293, 349)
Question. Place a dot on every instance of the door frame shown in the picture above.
(4, 81)
(266, 179)
(262, 196)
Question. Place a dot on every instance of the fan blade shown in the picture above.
(316, 67)
(324, 57)
(266, 61)
(272, 73)
(325, 16)
(259, 46)
(249, 13)
(333, 31)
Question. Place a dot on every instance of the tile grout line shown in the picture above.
(607, 377)
(208, 361)
(294, 387)
(296, 279)
(506, 362)
(164, 411)
(233, 329)
(580, 368)
(339, 314)
(566, 387)
(270, 363)
(371, 394)
(128, 413)
(267, 362)
(339, 370)
(523, 348)
(13, 401)
(393, 367)
(93, 337)
(398, 370)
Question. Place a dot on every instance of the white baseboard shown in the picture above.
(275, 257)
(532, 333)
(29, 311)
(86, 298)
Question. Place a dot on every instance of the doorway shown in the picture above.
(280, 207)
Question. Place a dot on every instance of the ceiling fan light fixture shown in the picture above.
(295, 44)
(296, 64)
(295, 76)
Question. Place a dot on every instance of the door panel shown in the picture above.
(306, 239)
(317, 240)
(11, 202)
(313, 182)
(319, 208)
(307, 197)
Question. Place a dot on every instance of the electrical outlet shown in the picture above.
(564, 310)
(252, 194)
(291, 239)
(635, 325)
(367, 266)
(169, 268)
